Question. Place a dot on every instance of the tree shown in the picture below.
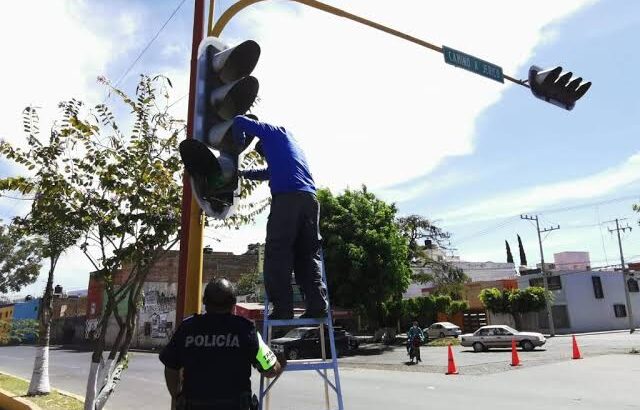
(247, 283)
(448, 279)
(509, 255)
(523, 257)
(130, 188)
(120, 194)
(366, 255)
(50, 218)
(417, 228)
(515, 302)
(19, 259)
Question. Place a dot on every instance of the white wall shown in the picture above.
(588, 314)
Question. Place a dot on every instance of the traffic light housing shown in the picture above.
(224, 89)
(556, 87)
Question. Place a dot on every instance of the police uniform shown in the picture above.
(216, 352)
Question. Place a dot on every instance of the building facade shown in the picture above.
(157, 316)
(586, 301)
(27, 309)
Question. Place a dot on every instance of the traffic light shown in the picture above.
(224, 89)
(556, 87)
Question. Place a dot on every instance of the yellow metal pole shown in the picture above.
(195, 258)
(241, 4)
(193, 285)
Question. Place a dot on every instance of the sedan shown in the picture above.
(442, 329)
(501, 336)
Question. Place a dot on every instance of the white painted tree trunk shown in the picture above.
(40, 377)
(93, 386)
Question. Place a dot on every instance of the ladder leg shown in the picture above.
(332, 341)
(268, 398)
(323, 350)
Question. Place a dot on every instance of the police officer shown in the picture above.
(215, 352)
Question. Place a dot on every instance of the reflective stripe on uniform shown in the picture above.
(265, 356)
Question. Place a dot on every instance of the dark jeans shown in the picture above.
(293, 244)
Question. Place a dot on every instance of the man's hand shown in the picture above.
(278, 367)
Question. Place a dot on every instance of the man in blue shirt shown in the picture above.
(293, 233)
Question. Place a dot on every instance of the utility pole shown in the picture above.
(624, 272)
(552, 328)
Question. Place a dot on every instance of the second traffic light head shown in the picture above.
(214, 179)
(556, 87)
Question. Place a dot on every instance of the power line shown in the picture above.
(144, 50)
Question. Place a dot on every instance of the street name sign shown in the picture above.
(473, 64)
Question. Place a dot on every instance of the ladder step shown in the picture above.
(297, 322)
(313, 364)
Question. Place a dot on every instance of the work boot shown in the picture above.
(279, 314)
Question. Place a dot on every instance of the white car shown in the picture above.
(442, 329)
(501, 336)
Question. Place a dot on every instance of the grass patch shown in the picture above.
(52, 401)
(445, 341)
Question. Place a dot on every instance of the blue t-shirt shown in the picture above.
(287, 170)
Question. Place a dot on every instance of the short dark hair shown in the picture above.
(219, 294)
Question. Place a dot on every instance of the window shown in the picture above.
(620, 310)
(597, 287)
(483, 332)
(632, 284)
(553, 282)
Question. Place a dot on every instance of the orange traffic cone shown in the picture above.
(515, 360)
(451, 368)
(576, 349)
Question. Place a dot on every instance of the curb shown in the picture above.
(62, 392)
(9, 401)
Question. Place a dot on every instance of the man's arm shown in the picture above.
(243, 125)
(266, 361)
(256, 174)
(172, 379)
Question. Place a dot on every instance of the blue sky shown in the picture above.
(439, 141)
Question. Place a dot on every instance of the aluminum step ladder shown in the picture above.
(319, 365)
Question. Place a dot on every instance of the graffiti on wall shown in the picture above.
(156, 313)
(90, 327)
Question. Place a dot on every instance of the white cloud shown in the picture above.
(371, 108)
(48, 55)
(537, 197)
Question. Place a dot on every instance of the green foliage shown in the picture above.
(457, 306)
(20, 258)
(366, 256)
(495, 300)
(19, 331)
(509, 255)
(417, 229)
(531, 299)
(248, 283)
(523, 256)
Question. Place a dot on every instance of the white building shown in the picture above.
(476, 271)
(585, 301)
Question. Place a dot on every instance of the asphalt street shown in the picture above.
(548, 379)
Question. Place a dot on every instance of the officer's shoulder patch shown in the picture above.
(189, 318)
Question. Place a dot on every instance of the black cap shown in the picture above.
(219, 294)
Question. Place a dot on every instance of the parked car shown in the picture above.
(442, 329)
(500, 336)
(304, 342)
